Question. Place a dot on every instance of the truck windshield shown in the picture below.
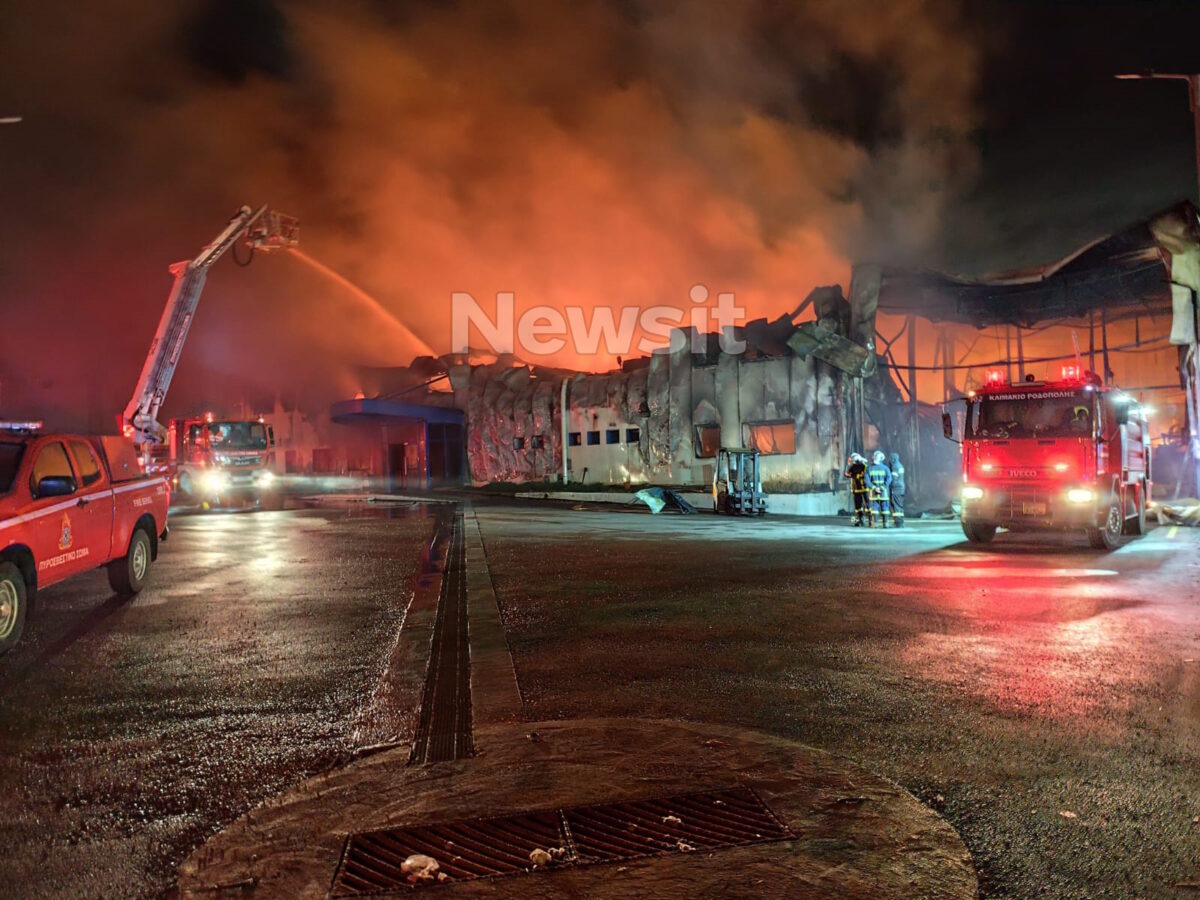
(1057, 414)
(10, 461)
(238, 435)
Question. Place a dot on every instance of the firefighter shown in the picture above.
(856, 471)
(897, 497)
(879, 484)
(1081, 422)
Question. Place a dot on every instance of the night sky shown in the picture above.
(598, 153)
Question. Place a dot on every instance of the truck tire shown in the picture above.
(1107, 536)
(979, 532)
(1136, 525)
(13, 606)
(127, 575)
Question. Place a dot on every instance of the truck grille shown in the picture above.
(1026, 503)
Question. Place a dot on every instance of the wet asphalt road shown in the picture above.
(1043, 697)
(131, 731)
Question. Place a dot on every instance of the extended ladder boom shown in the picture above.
(264, 229)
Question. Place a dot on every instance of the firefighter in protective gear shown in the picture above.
(856, 471)
(897, 497)
(1081, 422)
(879, 486)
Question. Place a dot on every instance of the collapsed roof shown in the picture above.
(1130, 271)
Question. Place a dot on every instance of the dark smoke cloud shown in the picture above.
(589, 153)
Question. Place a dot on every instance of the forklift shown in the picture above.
(737, 483)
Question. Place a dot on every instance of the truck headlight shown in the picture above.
(1080, 495)
(970, 492)
(213, 481)
(264, 478)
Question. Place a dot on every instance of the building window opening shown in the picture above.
(633, 435)
(593, 438)
(573, 439)
(538, 442)
(518, 443)
(707, 441)
(772, 438)
(612, 436)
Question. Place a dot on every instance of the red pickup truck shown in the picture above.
(68, 504)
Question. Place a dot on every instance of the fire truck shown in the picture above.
(216, 461)
(1061, 455)
(210, 460)
(68, 504)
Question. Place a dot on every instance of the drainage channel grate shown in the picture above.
(617, 831)
(444, 724)
(487, 848)
(481, 848)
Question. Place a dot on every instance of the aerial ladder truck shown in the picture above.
(209, 460)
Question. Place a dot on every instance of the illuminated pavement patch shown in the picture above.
(950, 570)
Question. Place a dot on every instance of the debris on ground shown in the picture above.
(539, 857)
(659, 498)
(672, 820)
(1181, 511)
(684, 847)
(1067, 814)
(419, 868)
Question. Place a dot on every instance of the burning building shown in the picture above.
(770, 385)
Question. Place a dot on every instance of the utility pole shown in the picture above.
(1193, 361)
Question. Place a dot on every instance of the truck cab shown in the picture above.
(217, 461)
(1060, 455)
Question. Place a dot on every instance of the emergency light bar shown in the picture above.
(1070, 373)
(994, 376)
(24, 427)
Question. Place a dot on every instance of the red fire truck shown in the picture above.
(216, 461)
(68, 504)
(1060, 455)
(210, 461)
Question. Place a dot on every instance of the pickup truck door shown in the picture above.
(93, 519)
(57, 550)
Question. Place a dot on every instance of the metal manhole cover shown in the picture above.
(487, 848)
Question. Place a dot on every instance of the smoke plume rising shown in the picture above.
(595, 153)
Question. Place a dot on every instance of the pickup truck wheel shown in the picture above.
(979, 532)
(1108, 535)
(1137, 523)
(13, 606)
(127, 575)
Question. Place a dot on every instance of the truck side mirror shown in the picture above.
(1121, 414)
(55, 486)
(948, 426)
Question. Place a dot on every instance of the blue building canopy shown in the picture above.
(378, 410)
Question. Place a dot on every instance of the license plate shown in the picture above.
(1033, 509)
